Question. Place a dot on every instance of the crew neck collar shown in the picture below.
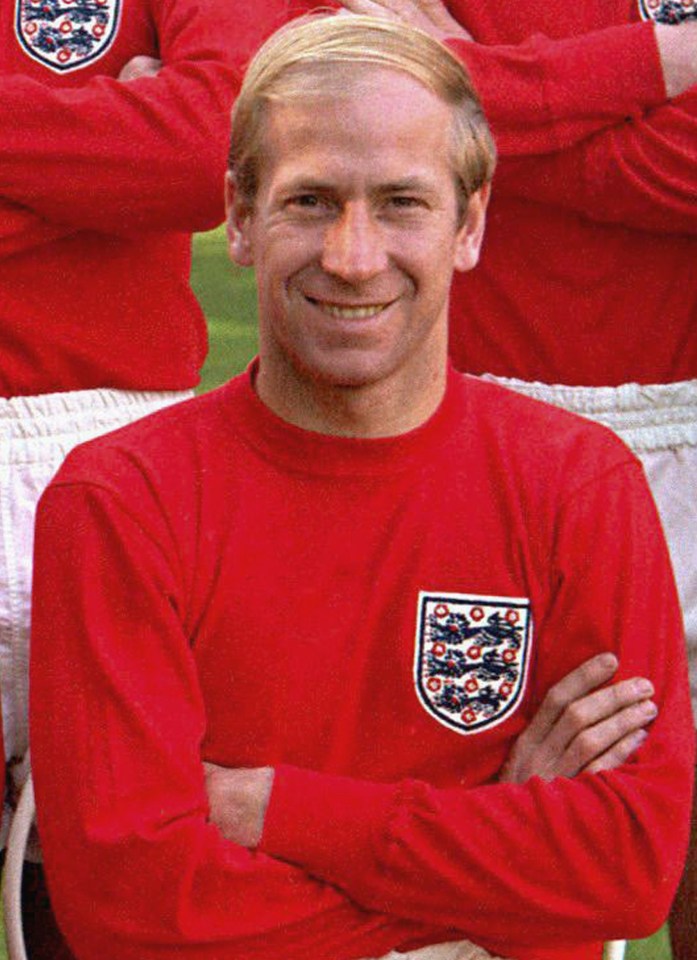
(309, 452)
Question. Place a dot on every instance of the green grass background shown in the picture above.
(228, 297)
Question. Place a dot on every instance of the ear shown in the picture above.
(238, 225)
(471, 233)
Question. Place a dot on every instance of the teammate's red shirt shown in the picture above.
(587, 275)
(215, 583)
(102, 182)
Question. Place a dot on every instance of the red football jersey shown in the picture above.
(379, 620)
(587, 274)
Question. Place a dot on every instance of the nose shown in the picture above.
(354, 245)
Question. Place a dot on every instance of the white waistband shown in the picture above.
(453, 950)
(648, 417)
(30, 427)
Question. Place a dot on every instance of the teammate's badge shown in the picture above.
(66, 35)
(668, 11)
(472, 656)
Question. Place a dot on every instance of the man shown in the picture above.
(594, 109)
(345, 582)
(112, 150)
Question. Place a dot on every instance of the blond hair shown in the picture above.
(317, 55)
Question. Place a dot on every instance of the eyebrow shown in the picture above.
(304, 185)
(414, 183)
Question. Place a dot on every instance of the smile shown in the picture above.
(354, 312)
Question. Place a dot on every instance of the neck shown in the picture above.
(381, 409)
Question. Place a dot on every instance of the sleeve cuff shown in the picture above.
(617, 71)
(332, 826)
(545, 94)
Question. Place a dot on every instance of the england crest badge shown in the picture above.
(472, 656)
(668, 11)
(66, 35)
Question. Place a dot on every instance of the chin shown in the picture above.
(350, 375)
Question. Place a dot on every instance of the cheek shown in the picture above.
(284, 262)
(430, 265)
(429, 250)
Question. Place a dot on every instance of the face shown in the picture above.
(354, 234)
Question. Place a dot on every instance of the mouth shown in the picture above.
(345, 311)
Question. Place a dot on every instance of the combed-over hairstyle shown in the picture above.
(317, 56)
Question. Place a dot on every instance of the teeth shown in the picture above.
(353, 313)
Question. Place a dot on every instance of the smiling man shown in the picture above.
(355, 230)
(312, 629)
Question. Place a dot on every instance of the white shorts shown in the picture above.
(659, 423)
(460, 950)
(36, 433)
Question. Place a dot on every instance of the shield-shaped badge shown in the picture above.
(66, 35)
(668, 11)
(472, 656)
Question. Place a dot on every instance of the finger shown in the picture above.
(437, 13)
(602, 704)
(575, 685)
(599, 716)
(619, 753)
(369, 8)
(600, 740)
(418, 12)
(431, 16)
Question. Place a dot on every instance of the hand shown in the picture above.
(431, 16)
(238, 800)
(140, 67)
(582, 728)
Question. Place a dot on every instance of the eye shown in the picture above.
(305, 200)
(405, 205)
(307, 203)
(307, 206)
(405, 202)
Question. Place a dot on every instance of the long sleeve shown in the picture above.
(546, 94)
(522, 866)
(117, 726)
(21, 229)
(641, 174)
(582, 123)
(145, 154)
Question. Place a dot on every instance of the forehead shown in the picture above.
(375, 123)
